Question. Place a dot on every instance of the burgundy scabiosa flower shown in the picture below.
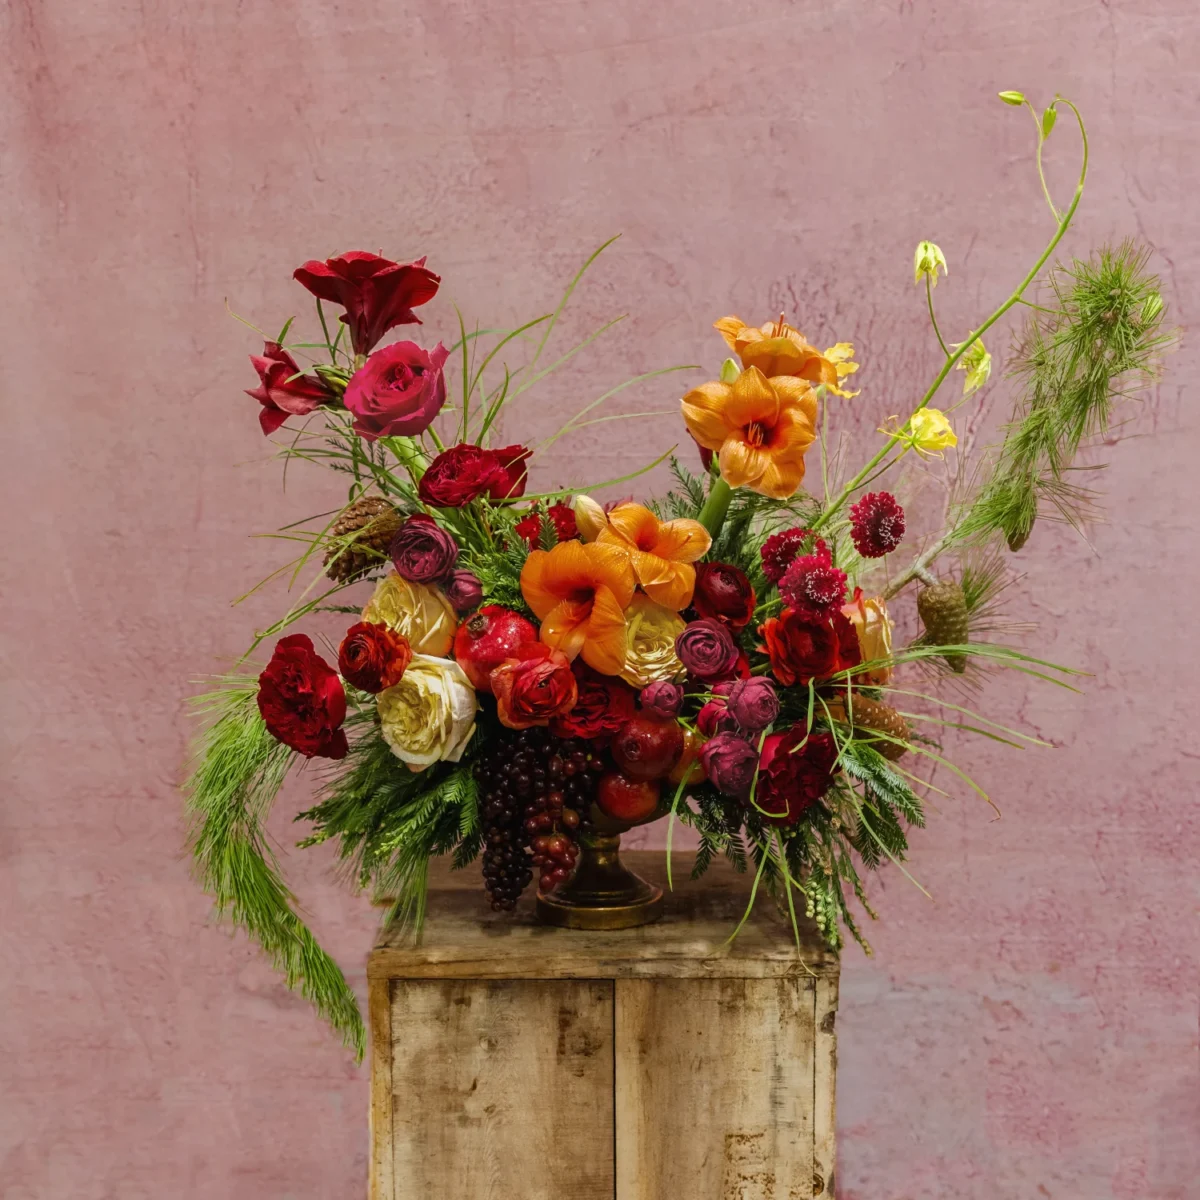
(780, 549)
(812, 586)
(876, 524)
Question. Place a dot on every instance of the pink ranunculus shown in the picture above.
(398, 391)
(282, 391)
(376, 293)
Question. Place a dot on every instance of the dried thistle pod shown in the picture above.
(943, 610)
(374, 522)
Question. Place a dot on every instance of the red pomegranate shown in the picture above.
(487, 638)
(626, 799)
(647, 747)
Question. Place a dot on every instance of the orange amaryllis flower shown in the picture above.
(580, 593)
(661, 552)
(777, 349)
(760, 428)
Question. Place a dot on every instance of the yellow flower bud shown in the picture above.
(977, 363)
(730, 370)
(926, 262)
(590, 518)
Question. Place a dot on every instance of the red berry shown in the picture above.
(486, 639)
(647, 747)
(626, 799)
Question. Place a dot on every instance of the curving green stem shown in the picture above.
(952, 361)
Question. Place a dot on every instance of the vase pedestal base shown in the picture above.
(603, 893)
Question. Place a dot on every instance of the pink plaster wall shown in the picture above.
(1033, 1032)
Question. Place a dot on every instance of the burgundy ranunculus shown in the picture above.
(459, 475)
(302, 701)
(753, 703)
(376, 293)
(397, 391)
(794, 773)
(662, 698)
(463, 590)
(422, 551)
(373, 656)
(280, 395)
(513, 473)
(603, 706)
(723, 593)
(707, 649)
(730, 762)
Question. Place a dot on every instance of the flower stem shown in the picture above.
(712, 515)
(951, 362)
(933, 318)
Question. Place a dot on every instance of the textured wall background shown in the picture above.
(1033, 1032)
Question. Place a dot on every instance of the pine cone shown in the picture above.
(375, 522)
(943, 609)
(883, 718)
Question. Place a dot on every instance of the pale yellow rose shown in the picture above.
(869, 616)
(429, 716)
(650, 633)
(418, 612)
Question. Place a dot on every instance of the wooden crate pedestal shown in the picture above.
(513, 1061)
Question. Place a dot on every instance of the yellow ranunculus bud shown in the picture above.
(650, 634)
(926, 262)
(930, 432)
(590, 518)
(429, 716)
(418, 612)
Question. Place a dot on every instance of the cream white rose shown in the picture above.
(418, 612)
(429, 716)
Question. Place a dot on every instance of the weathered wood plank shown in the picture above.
(714, 1088)
(379, 1018)
(502, 1089)
(824, 1088)
(464, 940)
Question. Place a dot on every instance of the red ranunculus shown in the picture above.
(794, 773)
(280, 395)
(398, 391)
(373, 657)
(603, 706)
(723, 593)
(532, 687)
(510, 482)
(302, 700)
(801, 649)
(376, 293)
(459, 475)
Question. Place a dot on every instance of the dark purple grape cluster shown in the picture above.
(535, 795)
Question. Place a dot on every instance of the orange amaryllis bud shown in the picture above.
(777, 349)
(580, 593)
(661, 552)
(760, 428)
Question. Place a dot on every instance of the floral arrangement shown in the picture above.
(518, 666)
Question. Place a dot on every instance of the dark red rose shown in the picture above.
(302, 700)
(459, 475)
(373, 657)
(513, 474)
(723, 593)
(794, 773)
(603, 706)
(398, 391)
(707, 649)
(801, 649)
(534, 686)
(376, 293)
(281, 395)
(422, 551)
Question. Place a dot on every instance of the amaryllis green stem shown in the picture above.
(712, 515)
(952, 361)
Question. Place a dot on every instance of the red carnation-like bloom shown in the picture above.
(281, 395)
(512, 472)
(302, 701)
(529, 528)
(604, 705)
(376, 293)
(780, 550)
(373, 657)
(795, 770)
(876, 524)
(813, 586)
(563, 517)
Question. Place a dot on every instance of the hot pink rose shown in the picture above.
(397, 391)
